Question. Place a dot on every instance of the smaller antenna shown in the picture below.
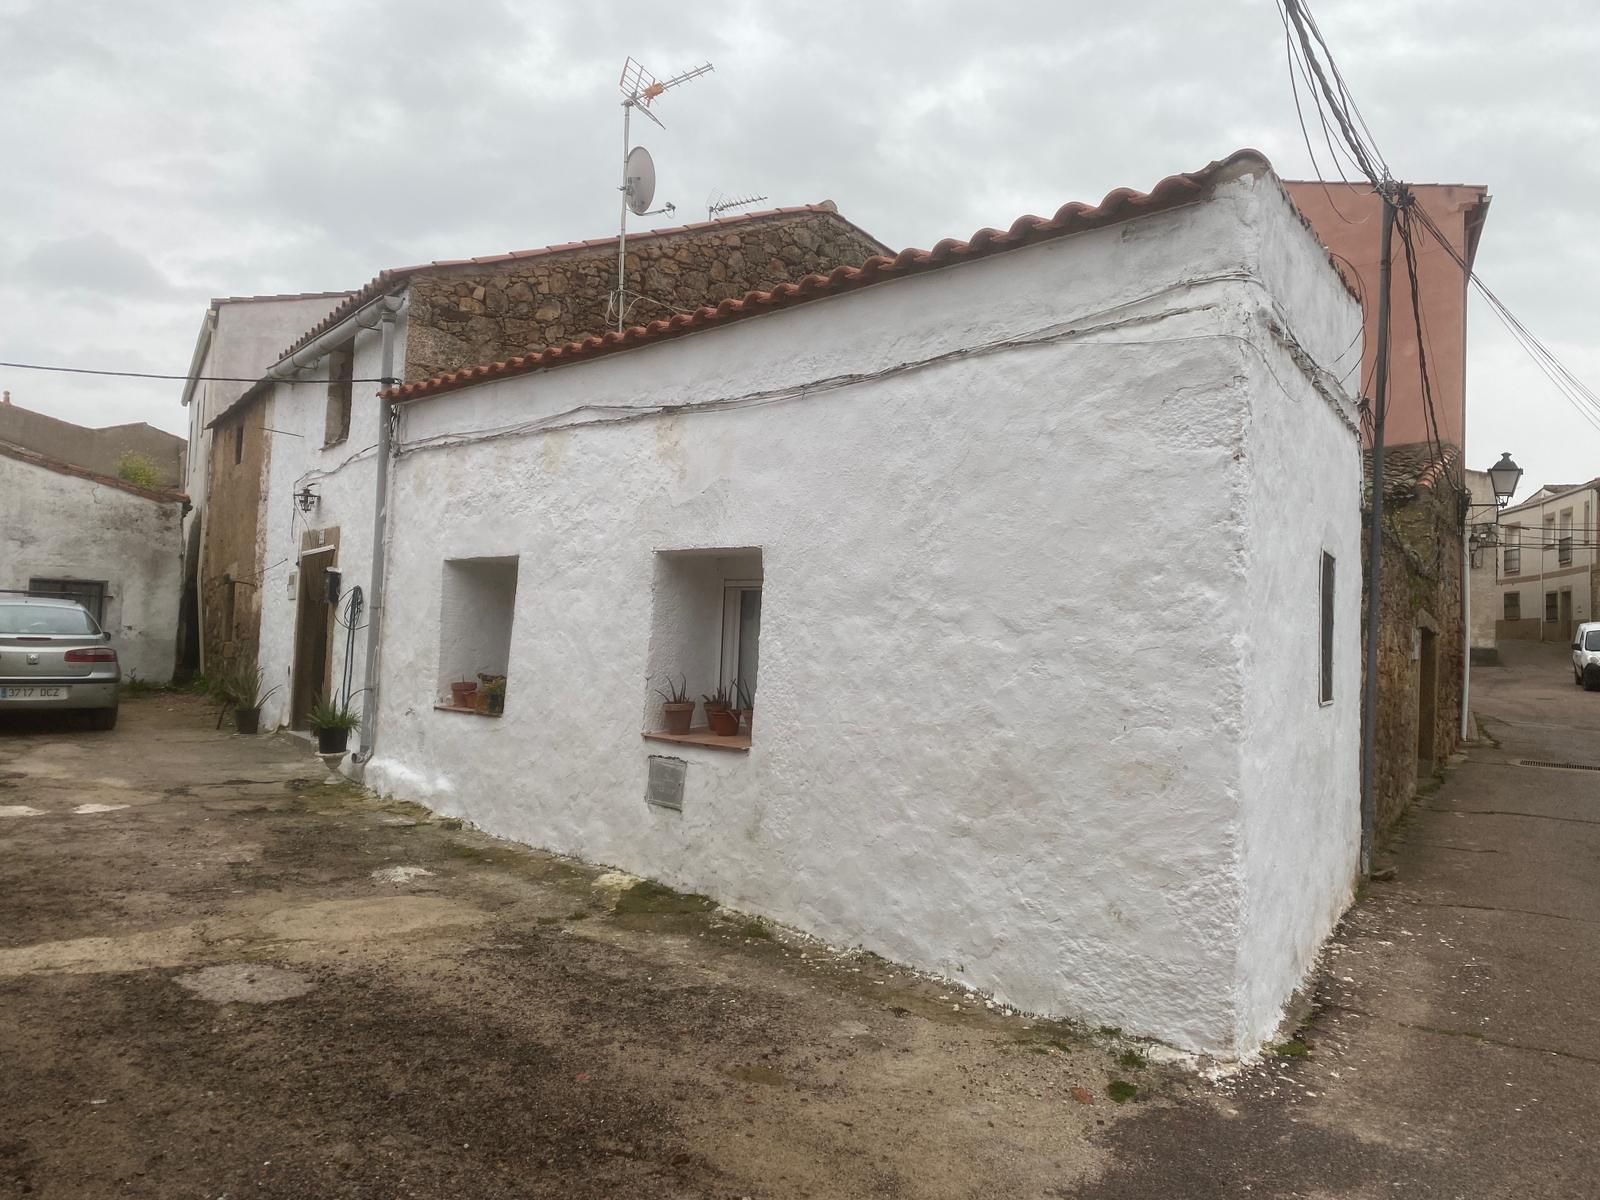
(720, 204)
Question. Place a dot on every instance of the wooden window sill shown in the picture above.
(739, 742)
(471, 712)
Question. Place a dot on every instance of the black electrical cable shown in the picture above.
(21, 366)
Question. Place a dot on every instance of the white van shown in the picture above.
(1586, 656)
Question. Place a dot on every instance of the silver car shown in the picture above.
(54, 657)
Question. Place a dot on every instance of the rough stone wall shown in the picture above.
(462, 316)
(231, 535)
(1421, 591)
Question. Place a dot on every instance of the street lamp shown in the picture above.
(1503, 478)
(307, 499)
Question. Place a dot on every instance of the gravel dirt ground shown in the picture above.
(226, 973)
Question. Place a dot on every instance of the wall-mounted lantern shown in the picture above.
(307, 499)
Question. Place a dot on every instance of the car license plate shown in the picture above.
(33, 693)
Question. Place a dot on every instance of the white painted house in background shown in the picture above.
(1008, 727)
(113, 547)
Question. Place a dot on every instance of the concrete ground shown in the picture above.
(223, 973)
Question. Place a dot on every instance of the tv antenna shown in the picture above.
(717, 204)
(639, 89)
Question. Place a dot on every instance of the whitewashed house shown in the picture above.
(114, 547)
(1039, 551)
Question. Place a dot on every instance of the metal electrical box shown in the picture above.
(665, 786)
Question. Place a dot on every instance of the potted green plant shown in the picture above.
(491, 694)
(719, 711)
(677, 709)
(747, 705)
(333, 723)
(245, 694)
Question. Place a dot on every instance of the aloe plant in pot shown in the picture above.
(244, 692)
(720, 714)
(333, 723)
(677, 709)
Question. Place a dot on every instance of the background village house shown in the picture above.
(893, 499)
(301, 475)
(1548, 579)
(75, 532)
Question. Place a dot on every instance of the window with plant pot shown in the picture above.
(705, 640)
(477, 605)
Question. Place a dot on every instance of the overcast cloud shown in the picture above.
(158, 154)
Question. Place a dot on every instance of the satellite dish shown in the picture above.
(641, 173)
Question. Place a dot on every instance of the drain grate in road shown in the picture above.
(1559, 766)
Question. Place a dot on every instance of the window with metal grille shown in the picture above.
(1513, 606)
(1552, 607)
(1326, 691)
(91, 593)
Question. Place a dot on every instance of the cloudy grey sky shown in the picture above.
(160, 153)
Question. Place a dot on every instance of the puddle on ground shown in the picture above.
(245, 983)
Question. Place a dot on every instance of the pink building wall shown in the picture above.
(1348, 219)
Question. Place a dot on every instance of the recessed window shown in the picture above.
(1513, 551)
(1552, 607)
(341, 374)
(91, 593)
(238, 443)
(476, 609)
(705, 646)
(1513, 606)
(1564, 544)
(1326, 687)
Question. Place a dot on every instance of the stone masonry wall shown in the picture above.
(477, 313)
(1421, 592)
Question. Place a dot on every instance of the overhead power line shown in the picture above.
(20, 366)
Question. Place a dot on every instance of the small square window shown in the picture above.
(705, 639)
(476, 609)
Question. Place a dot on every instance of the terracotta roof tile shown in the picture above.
(283, 296)
(1411, 467)
(1120, 205)
(384, 281)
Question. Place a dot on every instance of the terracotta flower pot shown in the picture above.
(724, 721)
(462, 695)
(678, 716)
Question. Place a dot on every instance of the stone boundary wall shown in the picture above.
(471, 314)
(1421, 592)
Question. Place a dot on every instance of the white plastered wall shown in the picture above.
(59, 526)
(1006, 637)
(343, 476)
(1300, 780)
